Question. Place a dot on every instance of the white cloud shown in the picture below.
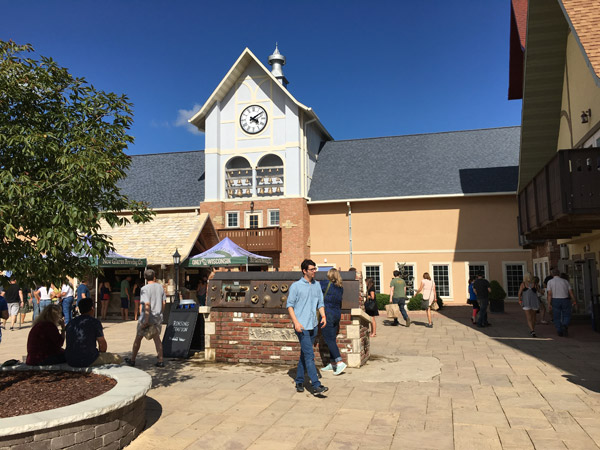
(183, 115)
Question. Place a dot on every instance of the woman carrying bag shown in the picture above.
(371, 305)
(429, 295)
(332, 298)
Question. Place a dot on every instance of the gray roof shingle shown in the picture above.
(459, 162)
(166, 180)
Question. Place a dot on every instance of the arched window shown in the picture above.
(238, 178)
(269, 176)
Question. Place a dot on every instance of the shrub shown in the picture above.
(440, 302)
(382, 300)
(414, 303)
(497, 291)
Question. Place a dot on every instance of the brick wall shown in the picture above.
(294, 222)
(549, 249)
(228, 339)
(113, 430)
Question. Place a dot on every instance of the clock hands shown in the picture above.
(254, 118)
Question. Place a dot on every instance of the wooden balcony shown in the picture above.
(254, 239)
(563, 199)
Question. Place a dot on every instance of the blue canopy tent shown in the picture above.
(226, 254)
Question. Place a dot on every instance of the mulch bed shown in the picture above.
(35, 391)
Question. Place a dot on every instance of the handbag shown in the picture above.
(371, 307)
(393, 311)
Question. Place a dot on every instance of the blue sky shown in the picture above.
(368, 69)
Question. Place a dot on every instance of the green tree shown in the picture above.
(62, 148)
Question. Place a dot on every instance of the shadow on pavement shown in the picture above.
(153, 412)
(578, 355)
(163, 376)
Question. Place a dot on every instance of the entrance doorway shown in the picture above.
(583, 276)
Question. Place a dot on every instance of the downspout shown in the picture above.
(304, 160)
(350, 230)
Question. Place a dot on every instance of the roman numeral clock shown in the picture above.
(253, 119)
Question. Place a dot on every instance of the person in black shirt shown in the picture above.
(83, 332)
(481, 286)
(13, 295)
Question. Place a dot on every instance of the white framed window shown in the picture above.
(374, 270)
(409, 269)
(273, 215)
(232, 219)
(253, 219)
(441, 274)
(513, 277)
(476, 267)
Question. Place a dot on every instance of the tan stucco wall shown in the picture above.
(420, 231)
(580, 93)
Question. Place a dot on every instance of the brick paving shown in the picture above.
(450, 387)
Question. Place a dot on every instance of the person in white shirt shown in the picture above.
(43, 296)
(67, 295)
(560, 301)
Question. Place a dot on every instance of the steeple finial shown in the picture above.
(277, 61)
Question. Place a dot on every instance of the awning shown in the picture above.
(227, 253)
(157, 240)
(113, 259)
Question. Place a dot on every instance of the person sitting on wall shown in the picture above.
(44, 343)
(83, 332)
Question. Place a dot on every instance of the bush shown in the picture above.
(382, 300)
(414, 303)
(440, 302)
(497, 291)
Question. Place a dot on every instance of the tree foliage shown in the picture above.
(62, 154)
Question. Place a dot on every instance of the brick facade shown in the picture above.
(549, 249)
(113, 430)
(227, 335)
(294, 222)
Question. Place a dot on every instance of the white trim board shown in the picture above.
(410, 252)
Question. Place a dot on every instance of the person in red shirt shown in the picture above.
(44, 343)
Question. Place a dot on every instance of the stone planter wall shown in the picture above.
(110, 421)
(269, 338)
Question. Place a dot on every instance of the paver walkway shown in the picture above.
(450, 387)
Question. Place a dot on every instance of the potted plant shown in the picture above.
(497, 296)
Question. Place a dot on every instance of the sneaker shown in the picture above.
(160, 364)
(341, 366)
(560, 333)
(317, 391)
(407, 322)
(327, 368)
(130, 362)
(566, 331)
(299, 387)
(533, 334)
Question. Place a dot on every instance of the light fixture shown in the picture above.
(176, 260)
(252, 206)
(586, 116)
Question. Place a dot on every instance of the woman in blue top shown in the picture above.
(332, 297)
(473, 300)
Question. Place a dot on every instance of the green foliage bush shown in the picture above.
(497, 291)
(414, 303)
(382, 300)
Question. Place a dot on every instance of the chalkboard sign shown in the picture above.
(180, 329)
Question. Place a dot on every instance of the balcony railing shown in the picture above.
(563, 199)
(254, 239)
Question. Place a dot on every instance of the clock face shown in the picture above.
(253, 119)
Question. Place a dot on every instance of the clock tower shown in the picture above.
(261, 146)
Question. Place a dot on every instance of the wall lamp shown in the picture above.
(586, 116)
(252, 206)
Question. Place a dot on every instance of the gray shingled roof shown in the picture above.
(166, 180)
(460, 162)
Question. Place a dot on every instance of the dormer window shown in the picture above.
(238, 178)
(269, 176)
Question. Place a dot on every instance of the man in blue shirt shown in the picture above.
(82, 291)
(304, 298)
